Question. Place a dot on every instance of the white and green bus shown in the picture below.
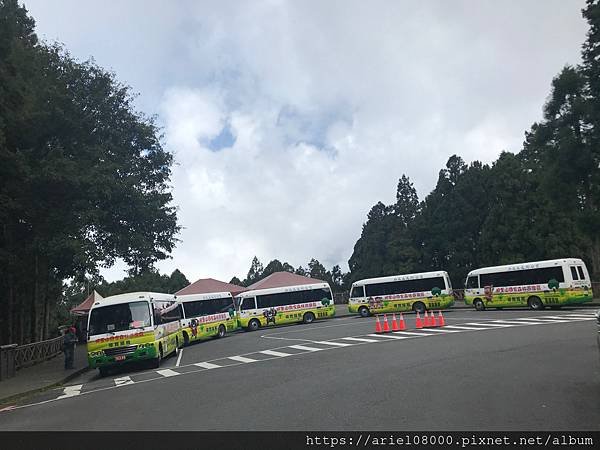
(132, 327)
(555, 283)
(417, 292)
(281, 305)
(207, 315)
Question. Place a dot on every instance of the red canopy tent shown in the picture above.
(283, 279)
(208, 285)
(84, 307)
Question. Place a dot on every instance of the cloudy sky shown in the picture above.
(290, 119)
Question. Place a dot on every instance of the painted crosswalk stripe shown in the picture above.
(443, 330)
(167, 373)
(491, 325)
(207, 365)
(335, 344)
(275, 353)
(242, 359)
(72, 391)
(516, 322)
(122, 381)
(360, 339)
(580, 316)
(412, 333)
(304, 347)
(391, 336)
(543, 320)
(459, 327)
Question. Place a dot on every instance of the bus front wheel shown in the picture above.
(221, 331)
(535, 303)
(479, 306)
(419, 307)
(364, 311)
(308, 317)
(253, 325)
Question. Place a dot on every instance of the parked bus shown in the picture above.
(555, 283)
(276, 306)
(207, 315)
(400, 293)
(133, 327)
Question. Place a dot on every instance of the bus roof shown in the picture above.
(526, 265)
(132, 296)
(199, 297)
(408, 276)
(276, 290)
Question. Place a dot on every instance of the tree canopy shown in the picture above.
(84, 178)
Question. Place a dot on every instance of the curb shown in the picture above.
(20, 395)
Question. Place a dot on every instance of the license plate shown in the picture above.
(120, 358)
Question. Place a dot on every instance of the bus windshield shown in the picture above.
(125, 316)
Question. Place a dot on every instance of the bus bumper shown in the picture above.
(100, 359)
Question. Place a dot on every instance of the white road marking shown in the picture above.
(207, 365)
(274, 353)
(443, 330)
(179, 358)
(491, 325)
(336, 344)
(391, 336)
(303, 347)
(359, 339)
(122, 381)
(242, 359)
(458, 327)
(517, 322)
(412, 333)
(167, 373)
(71, 391)
(543, 320)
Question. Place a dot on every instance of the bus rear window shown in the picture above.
(581, 274)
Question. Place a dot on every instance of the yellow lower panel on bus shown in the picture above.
(207, 330)
(390, 304)
(555, 297)
(283, 316)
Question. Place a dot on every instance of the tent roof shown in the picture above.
(282, 279)
(84, 307)
(209, 285)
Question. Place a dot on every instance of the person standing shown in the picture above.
(69, 341)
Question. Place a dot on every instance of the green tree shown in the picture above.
(84, 178)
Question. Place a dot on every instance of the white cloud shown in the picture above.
(327, 104)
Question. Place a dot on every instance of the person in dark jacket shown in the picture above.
(69, 347)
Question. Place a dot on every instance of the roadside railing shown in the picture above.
(14, 357)
(29, 354)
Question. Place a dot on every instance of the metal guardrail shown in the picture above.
(29, 354)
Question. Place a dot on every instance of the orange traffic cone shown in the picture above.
(401, 324)
(441, 321)
(426, 323)
(431, 319)
(378, 325)
(419, 322)
(394, 323)
(386, 325)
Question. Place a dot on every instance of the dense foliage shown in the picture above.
(83, 177)
(543, 202)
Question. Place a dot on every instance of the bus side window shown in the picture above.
(248, 303)
(581, 274)
(574, 273)
(357, 291)
(473, 282)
